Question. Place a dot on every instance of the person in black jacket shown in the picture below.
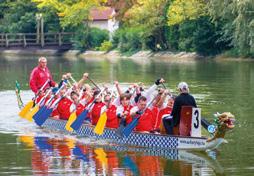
(183, 99)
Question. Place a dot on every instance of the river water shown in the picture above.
(218, 86)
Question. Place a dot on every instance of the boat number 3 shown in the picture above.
(196, 114)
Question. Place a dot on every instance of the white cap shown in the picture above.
(183, 86)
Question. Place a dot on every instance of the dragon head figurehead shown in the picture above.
(224, 123)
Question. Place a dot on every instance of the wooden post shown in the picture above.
(24, 40)
(59, 39)
(6, 40)
(42, 33)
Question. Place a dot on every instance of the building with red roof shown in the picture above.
(104, 18)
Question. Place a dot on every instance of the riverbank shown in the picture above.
(9, 54)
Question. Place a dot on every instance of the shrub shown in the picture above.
(97, 37)
(105, 46)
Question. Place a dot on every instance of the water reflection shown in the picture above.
(71, 157)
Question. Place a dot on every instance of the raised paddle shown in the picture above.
(45, 112)
(30, 104)
(29, 115)
(78, 122)
(123, 121)
(93, 83)
(73, 116)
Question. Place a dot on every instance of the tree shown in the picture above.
(181, 10)
(238, 23)
(71, 13)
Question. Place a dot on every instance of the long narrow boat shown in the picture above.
(138, 139)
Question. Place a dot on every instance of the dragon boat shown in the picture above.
(149, 140)
(224, 123)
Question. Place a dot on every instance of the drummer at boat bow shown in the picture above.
(183, 99)
(41, 75)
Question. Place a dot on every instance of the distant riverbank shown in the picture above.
(70, 54)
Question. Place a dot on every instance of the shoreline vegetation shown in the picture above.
(114, 54)
(209, 28)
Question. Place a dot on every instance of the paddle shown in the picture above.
(123, 122)
(29, 115)
(73, 115)
(17, 91)
(45, 112)
(78, 122)
(93, 83)
(99, 128)
(30, 104)
(129, 128)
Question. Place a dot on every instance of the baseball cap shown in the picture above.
(183, 86)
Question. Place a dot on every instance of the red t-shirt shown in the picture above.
(38, 77)
(112, 120)
(63, 108)
(96, 112)
(145, 121)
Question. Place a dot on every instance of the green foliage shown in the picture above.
(71, 13)
(182, 10)
(80, 40)
(86, 37)
(97, 36)
(198, 35)
(20, 16)
(105, 46)
(237, 19)
(129, 39)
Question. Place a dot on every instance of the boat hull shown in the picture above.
(137, 139)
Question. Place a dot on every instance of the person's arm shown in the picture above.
(118, 88)
(134, 111)
(52, 83)
(163, 98)
(82, 80)
(150, 91)
(194, 102)
(32, 81)
(176, 112)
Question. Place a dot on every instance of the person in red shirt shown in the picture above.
(77, 105)
(123, 111)
(97, 110)
(164, 112)
(112, 120)
(146, 115)
(63, 108)
(40, 75)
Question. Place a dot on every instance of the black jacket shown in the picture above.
(184, 99)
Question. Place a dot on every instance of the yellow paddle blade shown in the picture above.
(71, 119)
(28, 140)
(99, 128)
(71, 143)
(102, 156)
(29, 115)
(26, 108)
